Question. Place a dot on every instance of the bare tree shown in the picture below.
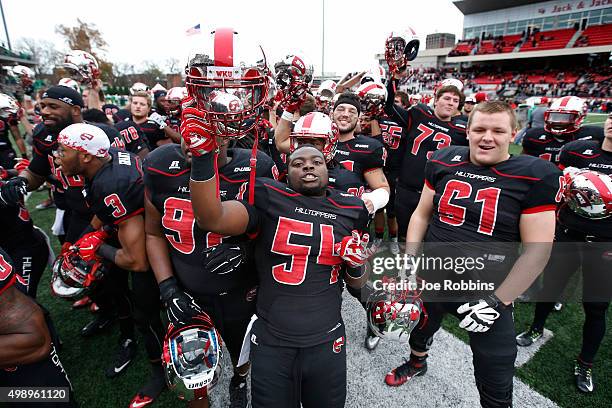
(44, 52)
(172, 66)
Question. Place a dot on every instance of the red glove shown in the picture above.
(65, 248)
(196, 132)
(89, 243)
(295, 96)
(22, 164)
(3, 173)
(353, 249)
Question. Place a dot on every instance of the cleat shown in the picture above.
(48, 203)
(405, 373)
(127, 351)
(82, 302)
(371, 340)
(149, 392)
(584, 377)
(94, 308)
(558, 306)
(98, 324)
(527, 338)
(238, 392)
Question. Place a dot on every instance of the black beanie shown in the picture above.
(64, 94)
(351, 99)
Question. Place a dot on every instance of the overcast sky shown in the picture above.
(137, 31)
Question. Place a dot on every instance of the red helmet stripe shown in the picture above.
(368, 88)
(307, 122)
(224, 47)
(565, 101)
(605, 192)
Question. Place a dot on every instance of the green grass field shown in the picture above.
(549, 372)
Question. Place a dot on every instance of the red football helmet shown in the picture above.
(401, 48)
(72, 276)
(315, 125)
(565, 115)
(227, 69)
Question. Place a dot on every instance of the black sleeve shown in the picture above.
(266, 166)
(40, 163)
(377, 159)
(261, 203)
(545, 193)
(113, 207)
(7, 272)
(566, 159)
(395, 112)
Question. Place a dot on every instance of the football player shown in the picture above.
(215, 270)
(28, 357)
(562, 124)
(468, 106)
(9, 121)
(483, 195)
(115, 193)
(153, 125)
(426, 130)
(583, 240)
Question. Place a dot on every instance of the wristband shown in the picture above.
(167, 288)
(378, 197)
(203, 167)
(107, 252)
(355, 273)
(288, 116)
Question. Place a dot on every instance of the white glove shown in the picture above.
(158, 119)
(480, 314)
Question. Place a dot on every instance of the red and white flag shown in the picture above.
(194, 30)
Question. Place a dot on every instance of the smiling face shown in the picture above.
(446, 105)
(489, 135)
(56, 115)
(345, 116)
(307, 171)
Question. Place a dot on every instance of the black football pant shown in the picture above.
(406, 202)
(391, 176)
(7, 157)
(231, 313)
(147, 313)
(493, 352)
(284, 377)
(45, 373)
(595, 261)
(30, 260)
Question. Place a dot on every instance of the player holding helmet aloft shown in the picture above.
(309, 232)
(83, 68)
(481, 194)
(115, 193)
(9, 120)
(562, 124)
(27, 355)
(426, 130)
(217, 271)
(583, 236)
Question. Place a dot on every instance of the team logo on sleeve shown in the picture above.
(338, 343)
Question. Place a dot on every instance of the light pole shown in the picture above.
(322, 44)
(8, 40)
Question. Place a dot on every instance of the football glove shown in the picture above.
(353, 249)
(196, 133)
(22, 164)
(88, 244)
(224, 258)
(180, 306)
(295, 97)
(3, 173)
(479, 315)
(158, 119)
(13, 191)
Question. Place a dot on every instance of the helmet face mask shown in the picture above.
(8, 106)
(192, 358)
(81, 66)
(400, 49)
(373, 96)
(173, 98)
(232, 92)
(392, 316)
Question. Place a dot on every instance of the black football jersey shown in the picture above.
(152, 132)
(361, 154)
(174, 122)
(43, 145)
(17, 227)
(391, 136)
(131, 138)
(300, 288)
(424, 134)
(268, 145)
(585, 154)
(166, 176)
(5, 126)
(345, 180)
(540, 143)
(7, 272)
(116, 192)
(483, 204)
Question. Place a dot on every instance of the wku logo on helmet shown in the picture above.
(338, 343)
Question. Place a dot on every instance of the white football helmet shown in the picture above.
(8, 106)
(25, 75)
(589, 194)
(373, 96)
(401, 48)
(229, 66)
(377, 74)
(70, 83)
(174, 97)
(81, 66)
(315, 125)
(565, 115)
(325, 95)
(138, 87)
